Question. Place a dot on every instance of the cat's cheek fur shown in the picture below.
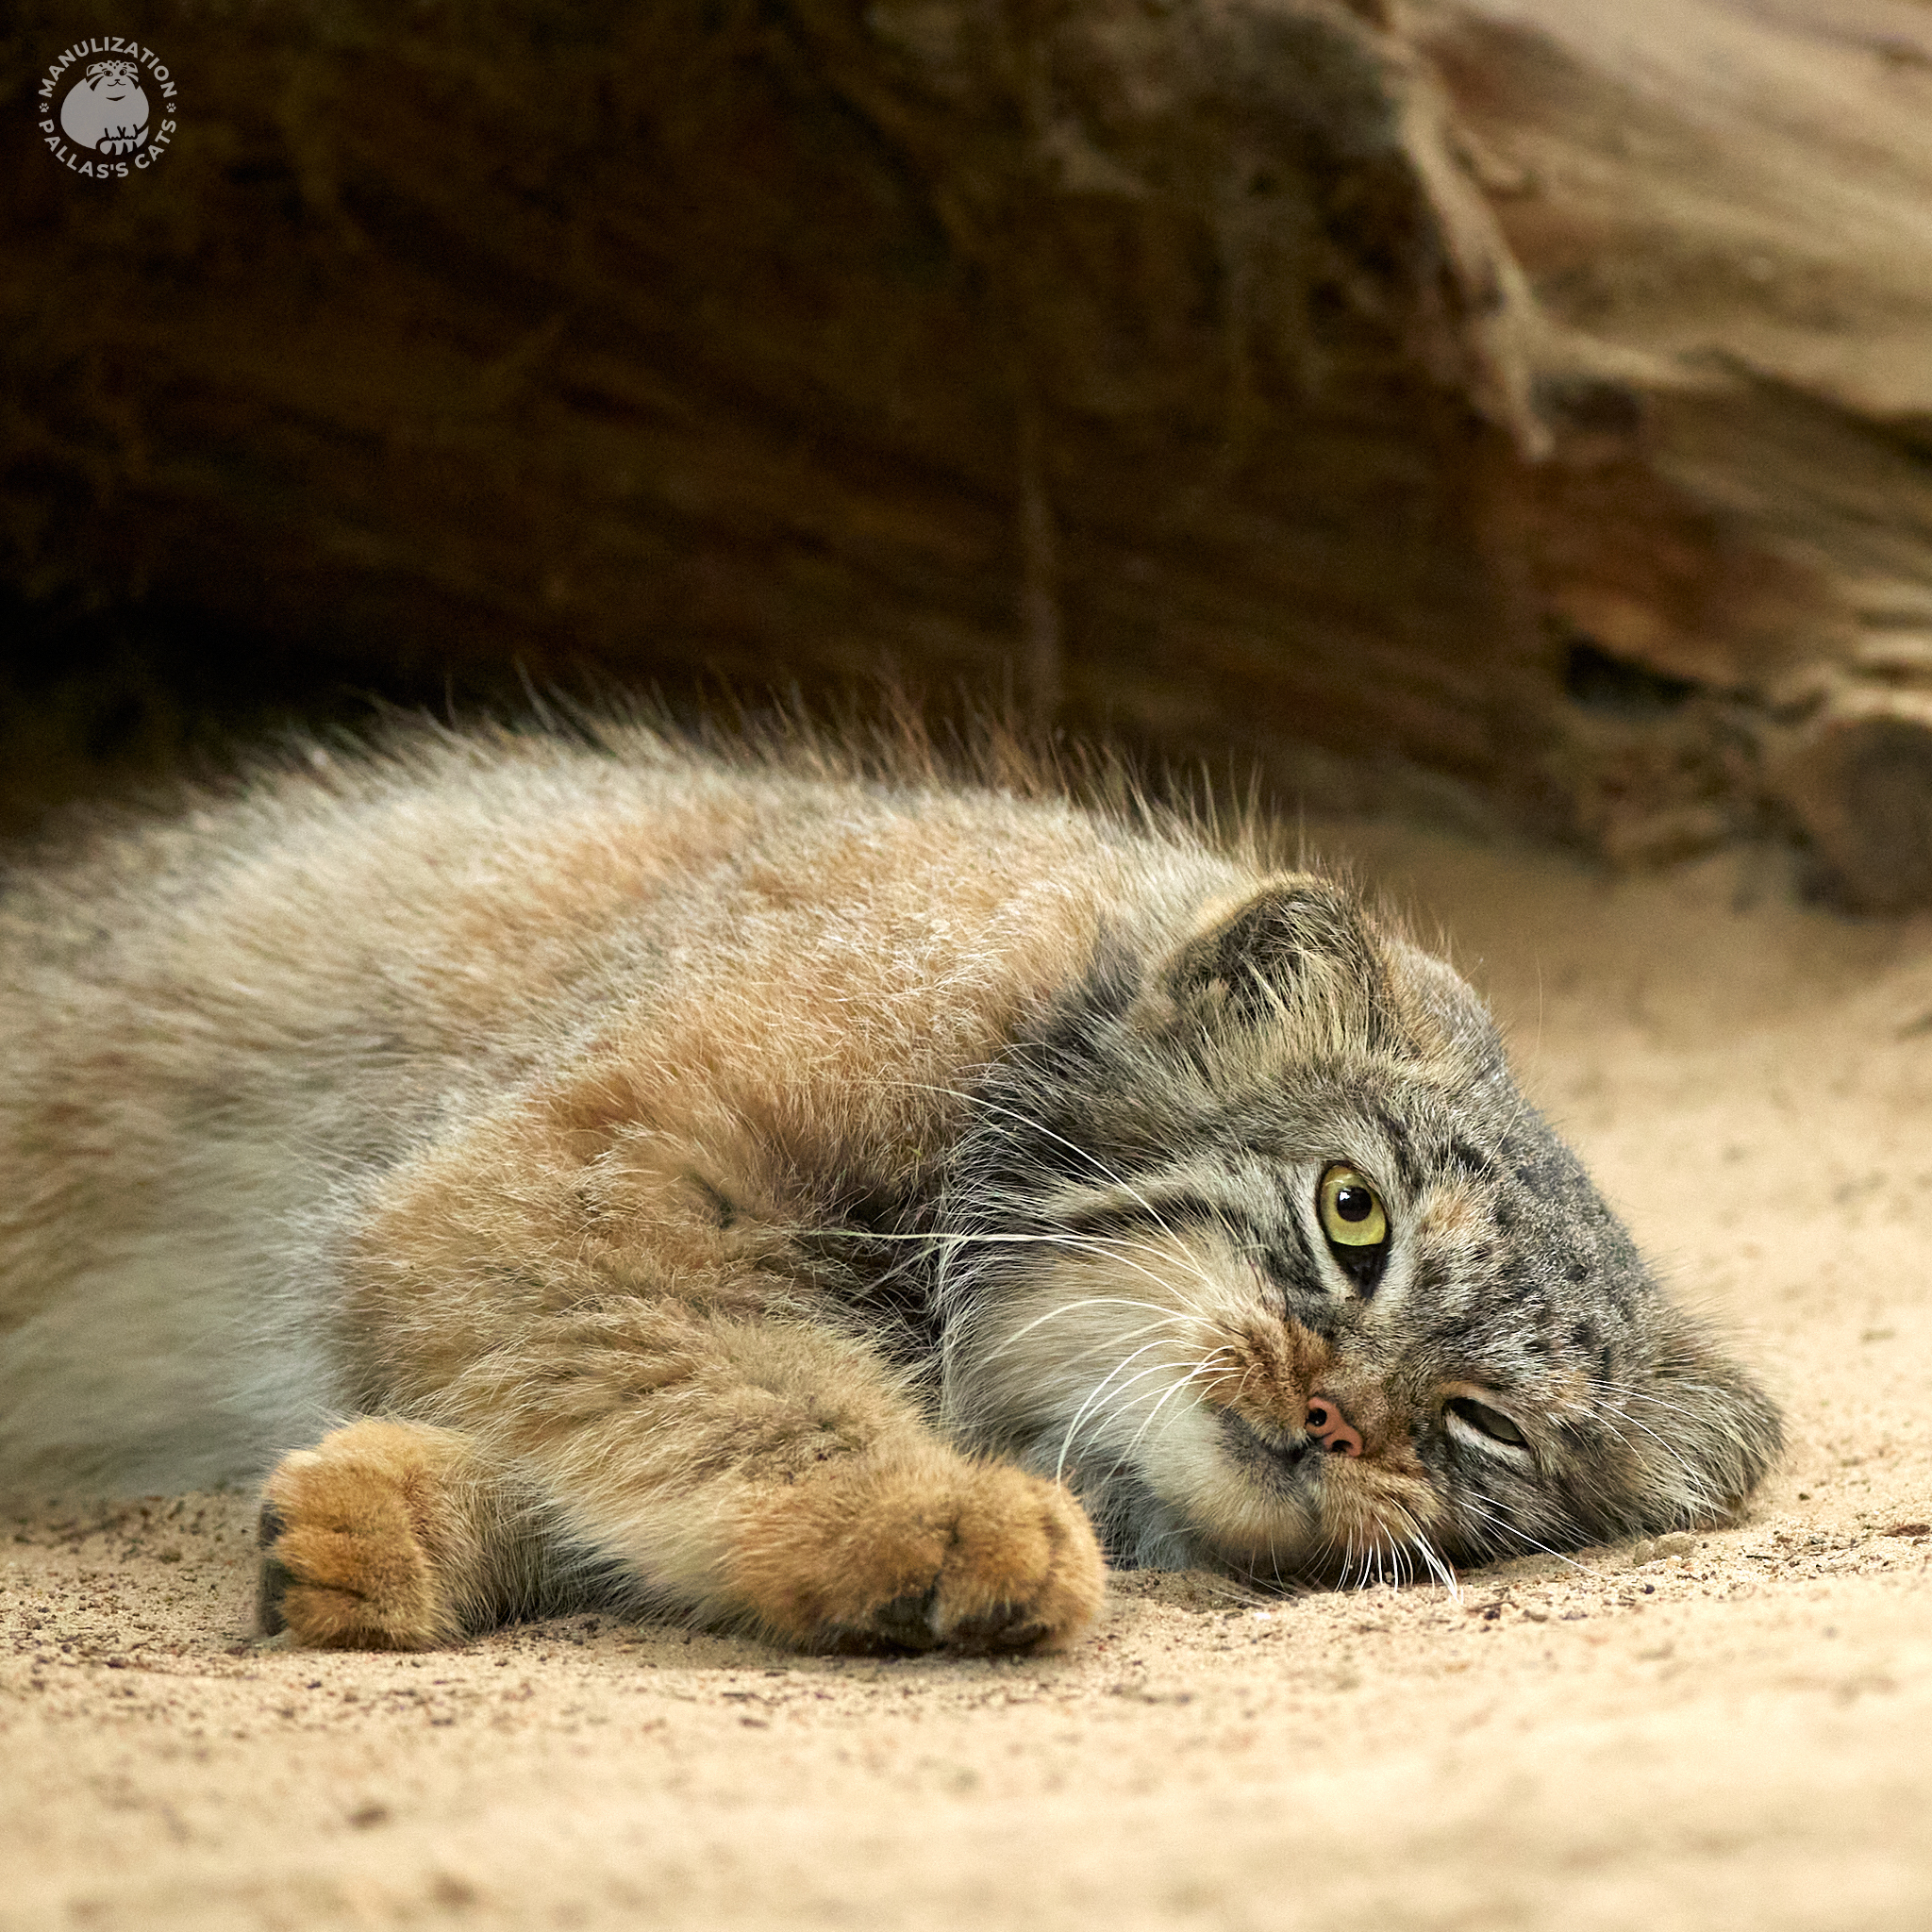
(1190, 1468)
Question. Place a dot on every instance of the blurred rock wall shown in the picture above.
(1228, 375)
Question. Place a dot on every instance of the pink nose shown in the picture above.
(1331, 1429)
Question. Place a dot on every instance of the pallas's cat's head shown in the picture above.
(1257, 1245)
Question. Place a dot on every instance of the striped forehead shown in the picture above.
(1510, 1249)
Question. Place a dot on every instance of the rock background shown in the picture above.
(1490, 399)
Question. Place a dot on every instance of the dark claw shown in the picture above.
(904, 1622)
(907, 1619)
(999, 1631)
(275, 1579)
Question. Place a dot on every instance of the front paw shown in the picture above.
(921, 1554)
(347, 1536)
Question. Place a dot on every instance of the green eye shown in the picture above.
(1352, 1215)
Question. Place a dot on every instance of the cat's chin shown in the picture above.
(1264, 1497)
(1139, 1531)
(1275, 1509)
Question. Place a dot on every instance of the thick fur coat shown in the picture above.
(840, 1207)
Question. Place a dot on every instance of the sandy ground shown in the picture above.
(1724, 1730)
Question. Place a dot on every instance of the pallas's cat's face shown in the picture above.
(1260, 1248)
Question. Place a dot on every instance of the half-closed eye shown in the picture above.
(1486, 1421)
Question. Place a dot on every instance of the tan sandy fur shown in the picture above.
(832, 1204)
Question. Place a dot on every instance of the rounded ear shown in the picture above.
(1709, 1433)
(1440, 1009)
(1298, 950)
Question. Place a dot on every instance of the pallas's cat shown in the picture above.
(832, 1206)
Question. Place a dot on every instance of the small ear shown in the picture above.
(1298, 947)
(1710, 1433)
(1440, 1009)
